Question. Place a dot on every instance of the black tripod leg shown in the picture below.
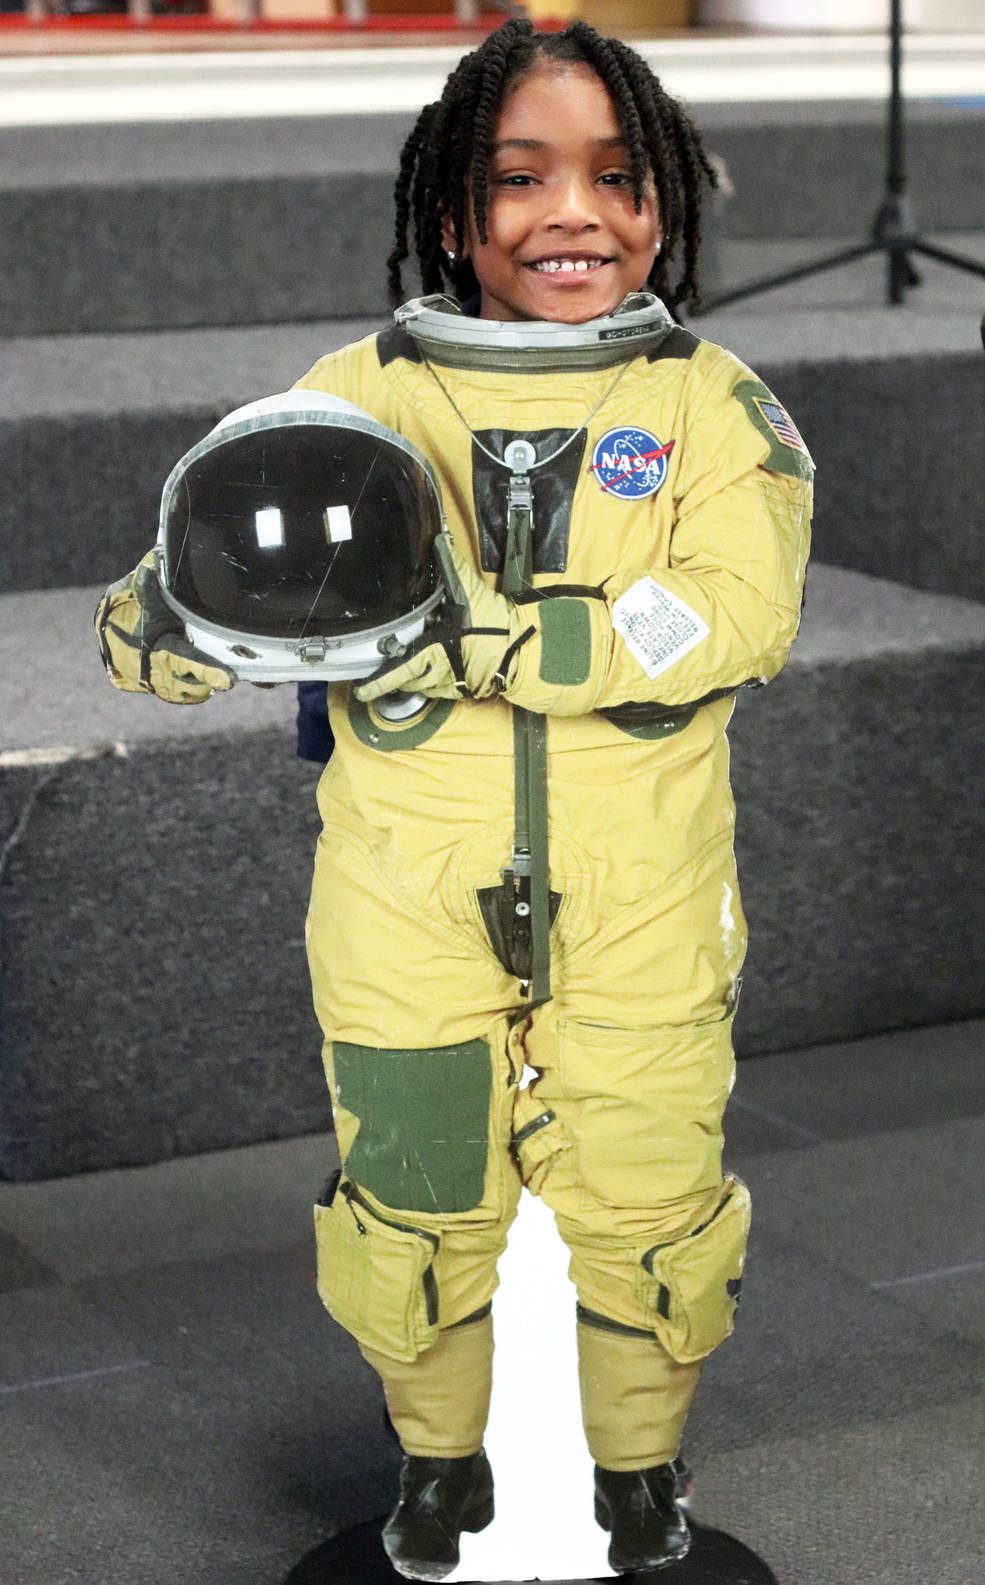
(901, 273)
(799, 273)
(973, 266)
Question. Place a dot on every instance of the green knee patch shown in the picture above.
(423, 1118)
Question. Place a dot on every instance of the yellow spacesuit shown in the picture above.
(672, 534)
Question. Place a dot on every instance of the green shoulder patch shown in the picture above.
(787, 453)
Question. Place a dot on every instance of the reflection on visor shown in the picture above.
(270, 527)
(338, 524)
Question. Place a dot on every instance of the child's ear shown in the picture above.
(449, 241)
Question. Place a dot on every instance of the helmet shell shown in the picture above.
(296, 539)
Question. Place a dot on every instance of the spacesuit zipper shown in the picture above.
(429, 1281)
(527, 877)
(533, 1127)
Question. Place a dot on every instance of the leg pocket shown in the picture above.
(691, 1287)
(374, 1275)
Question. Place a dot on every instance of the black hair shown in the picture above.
(446, 156)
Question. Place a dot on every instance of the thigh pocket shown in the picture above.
(375, 1276)
(691, 1287)
(644, 1107)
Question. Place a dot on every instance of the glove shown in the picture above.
(143, 649)
(473, 649)
(459, 654)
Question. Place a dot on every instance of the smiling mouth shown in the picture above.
(567, 266)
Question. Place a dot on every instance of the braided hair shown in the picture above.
(445, 160)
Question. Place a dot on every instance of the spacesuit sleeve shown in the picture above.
(727, 608)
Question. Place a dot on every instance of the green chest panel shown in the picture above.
(423, 1122)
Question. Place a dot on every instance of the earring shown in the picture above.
(657, 248)
(450, 255)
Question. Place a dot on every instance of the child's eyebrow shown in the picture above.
(617, 142)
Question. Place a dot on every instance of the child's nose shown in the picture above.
(575, 204)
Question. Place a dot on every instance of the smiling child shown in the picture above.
(584, 678)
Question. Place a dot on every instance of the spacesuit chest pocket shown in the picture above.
(375, 1276)
(692, 1285)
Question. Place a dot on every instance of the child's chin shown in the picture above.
(573, 305)
(578, 312)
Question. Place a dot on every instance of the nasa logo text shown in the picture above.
(631, 463)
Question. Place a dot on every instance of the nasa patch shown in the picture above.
(630, 463)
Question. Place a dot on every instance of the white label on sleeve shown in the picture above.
(656, 627)
(338, 524)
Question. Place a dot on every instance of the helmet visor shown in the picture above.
(300, 529)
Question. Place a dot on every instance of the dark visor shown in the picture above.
(301, 529)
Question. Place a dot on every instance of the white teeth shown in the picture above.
(569, 266)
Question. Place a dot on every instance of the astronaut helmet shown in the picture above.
(296, 540)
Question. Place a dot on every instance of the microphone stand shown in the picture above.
(893, 231)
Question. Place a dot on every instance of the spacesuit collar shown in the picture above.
(446, 335)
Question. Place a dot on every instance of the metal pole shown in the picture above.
(895, 175)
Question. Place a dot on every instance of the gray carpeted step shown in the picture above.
(238, 222)
(889, 401)
(156, 864)
(93, 425)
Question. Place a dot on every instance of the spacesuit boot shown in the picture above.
(439, 1498)
(635, 1398)
(640, 1507)
(439, 1405)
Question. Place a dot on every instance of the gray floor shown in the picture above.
(177, 1409)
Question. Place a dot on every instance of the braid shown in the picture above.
(490, 97)
(444, 165)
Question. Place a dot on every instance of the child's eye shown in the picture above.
(514, 179)
(616, 179)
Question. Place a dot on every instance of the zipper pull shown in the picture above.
(519, 457)
(347, 1191)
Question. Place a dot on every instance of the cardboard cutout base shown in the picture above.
(357, 1558)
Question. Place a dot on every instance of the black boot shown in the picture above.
(640, 1507)
(439, 1498)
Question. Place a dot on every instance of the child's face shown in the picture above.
(564, 241)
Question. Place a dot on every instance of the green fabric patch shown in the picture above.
(566, 642)
(784, 457)
(423, 1122)
(376, 733)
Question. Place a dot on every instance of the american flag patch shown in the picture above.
(781, 424)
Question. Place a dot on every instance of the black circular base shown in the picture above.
(357, 1558)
